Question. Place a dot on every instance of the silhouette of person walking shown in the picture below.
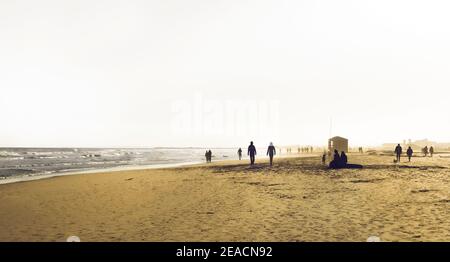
(252, 153)
(271, 152)
(431, 151)
(207, 156)
(240, 153)
(409, 152)
(425, 151)
(398, 152)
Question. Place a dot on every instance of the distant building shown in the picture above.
(338, 143)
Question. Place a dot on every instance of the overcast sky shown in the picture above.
(166, 73)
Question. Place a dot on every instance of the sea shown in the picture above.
(22, 164)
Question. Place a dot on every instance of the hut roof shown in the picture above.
(338, 138)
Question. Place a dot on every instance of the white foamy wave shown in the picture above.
(35, 162)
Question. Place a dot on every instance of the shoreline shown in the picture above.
(29, 178)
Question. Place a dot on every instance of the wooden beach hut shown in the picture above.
(338, 143)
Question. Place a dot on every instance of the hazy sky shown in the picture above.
(167, 72)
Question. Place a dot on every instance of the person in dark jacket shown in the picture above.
(425, 151)
(252, 153)
(344, 159)
(336, 162)
(431, 151)
(398, 152)
(271, 152)
(341, 161)
(409, 153)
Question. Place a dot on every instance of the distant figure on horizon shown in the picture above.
(207, 156)
(398, 152)
(431, 151)
(240, 153)
(252, 153)
(324, 157)
(271, 152)
(409, 152)
(425, 151)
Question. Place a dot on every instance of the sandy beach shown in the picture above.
(298, 199)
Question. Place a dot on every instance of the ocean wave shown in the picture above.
(36, 161)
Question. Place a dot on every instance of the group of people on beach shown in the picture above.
(340, 161)
(427, 151)
(251, 151)
(299, 150)
(208, 156)
(409, 152)
(305, 149)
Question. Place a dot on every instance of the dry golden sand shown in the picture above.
(296, 200)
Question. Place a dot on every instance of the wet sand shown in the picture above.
(298, 199)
